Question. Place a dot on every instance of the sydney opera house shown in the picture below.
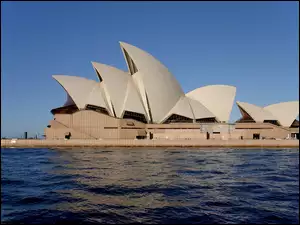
(148, 102)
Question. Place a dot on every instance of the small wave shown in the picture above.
(5, 181)
(140, 186)
(31, 200)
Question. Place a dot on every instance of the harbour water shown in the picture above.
(113, 185)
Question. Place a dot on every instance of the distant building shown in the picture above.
(149, 100)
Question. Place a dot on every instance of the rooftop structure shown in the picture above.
(148, 92)
(148, 101)
(282, 114)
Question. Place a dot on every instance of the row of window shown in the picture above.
(174, 118)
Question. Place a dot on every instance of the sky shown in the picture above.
(253, 46)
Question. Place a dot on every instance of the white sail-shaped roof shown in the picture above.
(162, 91)
(150, 89)
(81, 90)
(120, 89)
(69, 100)
(94, 98)
(138, 82)
(190, 108)
(218, 99)
(181, 108)
(285, 112)
(115, 83)
(199, 110)
(133, 101)
(257, 113)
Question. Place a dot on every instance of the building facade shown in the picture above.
(147, 102)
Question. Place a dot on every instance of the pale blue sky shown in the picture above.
(251, 45)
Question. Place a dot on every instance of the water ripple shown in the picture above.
(150, 186)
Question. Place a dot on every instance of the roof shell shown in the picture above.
(116, 83)
(218, 99)
(132, 99)
(285, 112)
(182, 108)
(257, 113)
(160, 90)
(199, 110)
(81, 90)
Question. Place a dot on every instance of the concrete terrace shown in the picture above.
(32, 143)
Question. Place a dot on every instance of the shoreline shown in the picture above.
(75, 143)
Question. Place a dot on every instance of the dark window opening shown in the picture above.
(256, 136)
(65, 110)
(49, 126)
(149, 111)
(245, 121)
(135, 70)
(174, 118)
(130, 128)
(275, 122)
(150, 135)
(97, 109)
(132, 67)
(295, 136)
(216, 132)
(206, 120)
(140, 137)
(246, 118)
(114, 112)
(135, 116)
(99, 76)
(295, 124)
(68, 136)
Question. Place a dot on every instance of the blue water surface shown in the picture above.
(140, 185)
